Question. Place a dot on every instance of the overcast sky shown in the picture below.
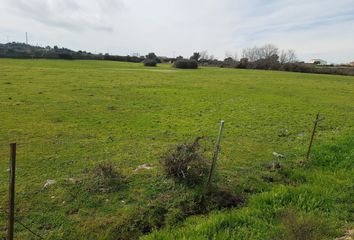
(313, 28)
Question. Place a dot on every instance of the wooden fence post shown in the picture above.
(12, 191)
(215, 156)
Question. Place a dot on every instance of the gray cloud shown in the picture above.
(180, 27)
(72, 15)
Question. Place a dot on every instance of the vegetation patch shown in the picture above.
(104, 177)
(186, 163)
(152, 110)
(186, 64)
(296, 225)
(313, 209)
(137, 222)
(150, 63)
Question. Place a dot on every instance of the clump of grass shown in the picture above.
(104, 177)
(186, 163)
(303, 226)
(138, 221)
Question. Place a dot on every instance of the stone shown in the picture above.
(146, 166)
(278, 155)
(49, 182)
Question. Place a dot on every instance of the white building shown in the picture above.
(318, 61)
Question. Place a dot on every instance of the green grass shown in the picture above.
(321, 207)
(67, 116)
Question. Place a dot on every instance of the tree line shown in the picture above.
(266, 57)
(22, 50)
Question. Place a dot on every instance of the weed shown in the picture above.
(303, 226)
(104, 178)
(186, 163)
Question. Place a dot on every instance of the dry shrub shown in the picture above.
(104, 178)
(304, 226)
(186, 163)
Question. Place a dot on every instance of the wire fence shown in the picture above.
(56, 159)
(60, 158)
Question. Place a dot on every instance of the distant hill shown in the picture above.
(22, 50)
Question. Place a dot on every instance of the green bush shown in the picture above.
(186, 64)
(150, 63)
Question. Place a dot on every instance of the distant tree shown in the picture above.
(55, 47)
(195, 56)
(250, 54)
(229, 54)
(66, 56)
(257, 53)
(228, 59)
(204, 55)
(186, 64)
(152, 56)
(243, 63)
(150, 63)
(269, 63)
(268, 51)
(179, 58)
(229, 62)
(287, 56)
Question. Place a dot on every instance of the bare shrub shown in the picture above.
(104, 178)
(186, 163)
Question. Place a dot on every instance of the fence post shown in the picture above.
(12, 191)
(215, 156)
(313, 135)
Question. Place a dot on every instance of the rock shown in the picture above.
(73, 180)
(278, 155)
(49, 182)
(146, 166)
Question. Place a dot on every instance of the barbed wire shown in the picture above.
(4, 213)
(108, 140)
(28, 229)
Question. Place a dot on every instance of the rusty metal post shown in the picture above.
(12, 191)
(313, 135)
(215, 156)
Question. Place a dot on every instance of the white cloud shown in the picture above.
(313, 28)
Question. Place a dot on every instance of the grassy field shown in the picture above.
(68, 116)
